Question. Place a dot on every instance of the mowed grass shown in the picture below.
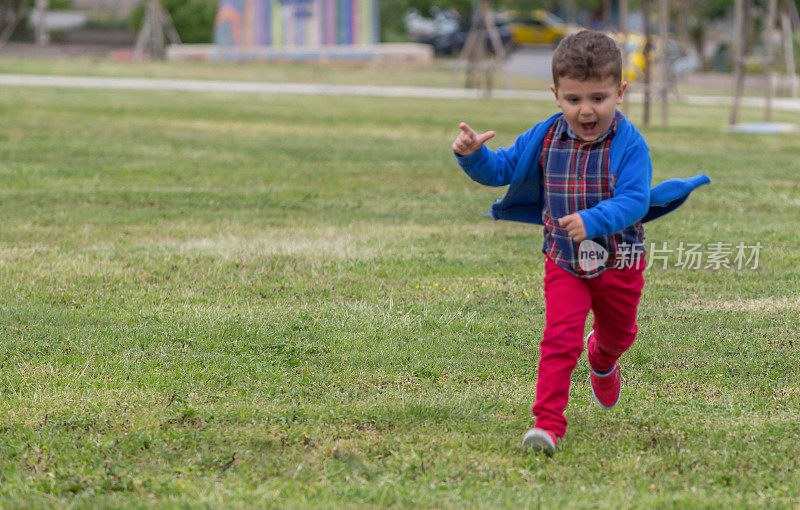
(251, 300)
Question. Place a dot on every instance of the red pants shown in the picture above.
(613, 297)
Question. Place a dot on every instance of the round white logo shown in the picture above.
(591, 255)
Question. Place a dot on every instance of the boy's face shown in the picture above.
(589, 105)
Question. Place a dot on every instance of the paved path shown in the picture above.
(531, 61)
(258, 87)
(333, 90)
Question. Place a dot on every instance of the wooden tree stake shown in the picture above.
(157, 22)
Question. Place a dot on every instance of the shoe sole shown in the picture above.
(538, 442)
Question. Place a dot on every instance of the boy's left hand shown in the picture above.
(573, 224)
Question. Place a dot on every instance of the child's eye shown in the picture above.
(573, 100)
(599, 99)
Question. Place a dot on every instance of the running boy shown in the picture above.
(585, 175)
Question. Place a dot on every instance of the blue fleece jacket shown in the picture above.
(633, 200)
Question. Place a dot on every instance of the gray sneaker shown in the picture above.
(540, 440)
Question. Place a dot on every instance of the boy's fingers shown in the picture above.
(487, 135)
(462, 147)
(566, 221)
(468, 140)
(572, 223)
(467, 130)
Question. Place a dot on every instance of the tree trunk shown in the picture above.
(664, 71)
(13, 17)
(740, 34)
(569, 7)
(769, 67)
(623, 28)
(788, 53)
(648, 54)
(40, 22)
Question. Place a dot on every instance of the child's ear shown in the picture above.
(623, 86)
(555, 93)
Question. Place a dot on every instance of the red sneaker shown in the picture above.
(605, 387)
(540, 440)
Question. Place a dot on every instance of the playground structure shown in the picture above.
(296, 23)
(301, 30)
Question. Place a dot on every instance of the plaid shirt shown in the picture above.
(576, 177)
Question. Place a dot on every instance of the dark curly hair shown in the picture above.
(587, 55)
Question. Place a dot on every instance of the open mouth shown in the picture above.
(588, 127)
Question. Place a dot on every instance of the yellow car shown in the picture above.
(635, 62)
(680, 58)
(535, 27)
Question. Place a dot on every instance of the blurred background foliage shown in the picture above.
(194, 19)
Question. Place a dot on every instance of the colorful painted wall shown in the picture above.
(296, 23)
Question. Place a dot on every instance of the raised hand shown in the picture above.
(468, 141)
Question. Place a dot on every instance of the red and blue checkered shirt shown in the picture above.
(576, 176)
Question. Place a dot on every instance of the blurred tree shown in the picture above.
(12, 4)
(692, 19)
(12, 13)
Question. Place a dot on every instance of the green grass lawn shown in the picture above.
(255, 300)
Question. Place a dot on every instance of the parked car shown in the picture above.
(535, 27)
(681, 59)
(442, 31)
(447, 32)
(633, 48)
